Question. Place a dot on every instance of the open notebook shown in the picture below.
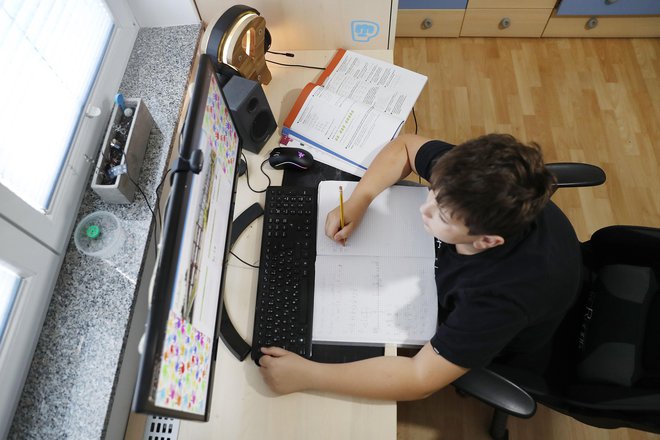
(380, 287)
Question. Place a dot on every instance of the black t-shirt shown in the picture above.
(507, 301)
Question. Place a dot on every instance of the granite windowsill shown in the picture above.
(71, 383)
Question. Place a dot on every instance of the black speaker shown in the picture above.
(250, 111)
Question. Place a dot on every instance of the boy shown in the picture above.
(507, 267)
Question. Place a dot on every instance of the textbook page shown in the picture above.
(345, 128)
(389, 88)
(380, 286)
(322, 155)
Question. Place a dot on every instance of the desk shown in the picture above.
(242, 406)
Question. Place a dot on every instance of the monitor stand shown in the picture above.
(234, 342)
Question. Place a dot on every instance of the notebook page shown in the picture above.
(374, 300)
(392, 226)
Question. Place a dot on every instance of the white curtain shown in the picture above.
(50, 52)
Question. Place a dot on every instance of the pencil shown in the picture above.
(341, 207)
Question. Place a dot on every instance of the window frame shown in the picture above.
(34, 243)
(53, 228)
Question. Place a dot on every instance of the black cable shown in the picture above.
(242, 260)
(247, 175)
(415, 119)
(296, 65)
(286, 54)
(146, 199)
(153, 214)
(419, 178)
(158, 216)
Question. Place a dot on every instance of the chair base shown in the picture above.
(498, 429)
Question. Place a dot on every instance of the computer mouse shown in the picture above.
(290, 158)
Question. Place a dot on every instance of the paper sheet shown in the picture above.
(391, 227)
(380, 287)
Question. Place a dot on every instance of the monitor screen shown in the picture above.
(178, 350)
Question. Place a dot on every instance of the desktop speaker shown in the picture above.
(250, 111)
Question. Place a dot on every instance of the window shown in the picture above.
(9, 282)
(60, 59)
(55, 49)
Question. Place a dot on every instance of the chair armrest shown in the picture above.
(572, 174)
(497, 391)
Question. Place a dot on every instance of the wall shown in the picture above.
(164, 13)
(313, 24)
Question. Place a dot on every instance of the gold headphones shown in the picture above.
(238, 42)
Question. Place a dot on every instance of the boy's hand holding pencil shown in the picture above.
(342, 221)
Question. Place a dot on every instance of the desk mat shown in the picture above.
(314, 175)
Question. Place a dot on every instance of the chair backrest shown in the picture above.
(607, 351)
(624, 263)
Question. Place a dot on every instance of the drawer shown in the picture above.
(443, 22)
(638, 26)
(493, 22)
(608, 7)
(512, 4)
(432, 4)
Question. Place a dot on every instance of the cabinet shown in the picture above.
(528, 18)
(430, 18)
(608, 7)
(506, 18)
(605, 18)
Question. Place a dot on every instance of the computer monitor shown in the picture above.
(175, 377)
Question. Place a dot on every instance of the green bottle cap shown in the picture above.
(93, 231)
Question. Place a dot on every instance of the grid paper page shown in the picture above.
(374, 300)
(392, 226)
(380, 287)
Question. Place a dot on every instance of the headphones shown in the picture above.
(225, 44)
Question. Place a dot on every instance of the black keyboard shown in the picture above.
(285, 291)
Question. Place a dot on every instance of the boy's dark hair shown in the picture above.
(494, 184)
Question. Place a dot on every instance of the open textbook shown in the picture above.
(379, 288)
(357, 105)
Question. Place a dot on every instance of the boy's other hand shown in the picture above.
(283, 371)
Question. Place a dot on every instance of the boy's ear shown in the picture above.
(488, 241)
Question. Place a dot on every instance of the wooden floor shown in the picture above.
(589, 100)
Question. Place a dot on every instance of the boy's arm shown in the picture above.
(394, 162)
(384, 377)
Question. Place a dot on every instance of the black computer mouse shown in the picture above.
(290, 158)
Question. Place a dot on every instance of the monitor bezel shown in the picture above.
(164, 275)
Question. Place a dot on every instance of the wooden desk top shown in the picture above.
(242, 406)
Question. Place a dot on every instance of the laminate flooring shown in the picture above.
(587, 100)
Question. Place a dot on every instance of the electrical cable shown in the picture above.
(296, 65)
(419, 178)
(415, 119)
(155, 217)
(157, 204)
(247, 180)
(242, 260)
(286, 54)
(247, 175)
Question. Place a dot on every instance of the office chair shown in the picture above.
(604, 367)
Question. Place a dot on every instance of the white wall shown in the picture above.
(164, 13)
(317, 24)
